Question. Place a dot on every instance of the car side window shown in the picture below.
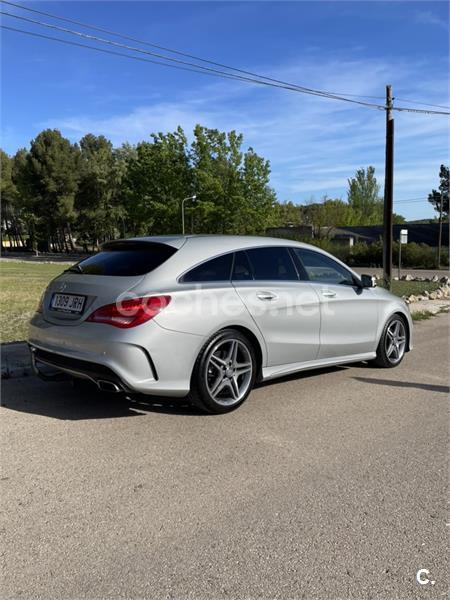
(322, 269)
(216, 269)
(242, 270)
(272, 264)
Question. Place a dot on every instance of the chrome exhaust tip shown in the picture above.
(108, 386)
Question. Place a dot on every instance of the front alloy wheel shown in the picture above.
(224, 373)
(395, 341)
(392, 346)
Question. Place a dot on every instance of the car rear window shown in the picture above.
(125, 259)
(216, 269)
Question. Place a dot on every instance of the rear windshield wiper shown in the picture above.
(74, 269)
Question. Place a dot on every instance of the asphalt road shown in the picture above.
(327, 485)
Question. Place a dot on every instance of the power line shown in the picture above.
(196, 68)
(422, 103)
(416, 198)
(165, 49)
(411, 201)
(104, 51)
(286, 85)
(172, 51)
(160, 62)
(187, 55)
(420, 111)
(261, 80)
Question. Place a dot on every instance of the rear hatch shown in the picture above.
(102, 278)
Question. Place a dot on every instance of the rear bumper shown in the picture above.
(148, 359)
(96, 373)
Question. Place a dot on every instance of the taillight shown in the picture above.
(129, 313)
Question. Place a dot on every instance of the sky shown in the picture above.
(314, 144)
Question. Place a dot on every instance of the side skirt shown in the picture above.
(281, 370)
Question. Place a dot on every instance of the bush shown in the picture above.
(420, 256)
(414, 256)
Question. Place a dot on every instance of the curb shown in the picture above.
(15, 359)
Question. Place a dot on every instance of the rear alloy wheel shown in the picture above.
(392, 346)
(224, 373)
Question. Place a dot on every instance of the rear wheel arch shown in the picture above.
(255, 343)
(252, 338)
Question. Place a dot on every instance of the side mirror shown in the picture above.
(368, 281)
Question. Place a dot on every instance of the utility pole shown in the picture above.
(388, 190)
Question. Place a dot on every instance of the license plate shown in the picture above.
(68, 303)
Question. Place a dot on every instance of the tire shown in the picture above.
(393, 343)
(224, 373)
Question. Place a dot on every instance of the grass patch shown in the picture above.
(406, 288)
(422, 315)
(22, 284)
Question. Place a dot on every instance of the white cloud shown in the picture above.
(313, 144)
(427, 17)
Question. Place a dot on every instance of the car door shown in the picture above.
(285, 309)
(349, 313)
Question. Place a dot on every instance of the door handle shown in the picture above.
(328, 293)
(266, 296)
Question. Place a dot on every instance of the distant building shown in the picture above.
(346, 237)
(291, 231)
(423, 233)
(420, 233)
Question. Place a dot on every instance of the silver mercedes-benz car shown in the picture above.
(209, 316)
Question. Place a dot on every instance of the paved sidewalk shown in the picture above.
(432, 306)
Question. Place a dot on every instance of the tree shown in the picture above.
(123, 156)
(158, 177)
(435, 197)
(440, 202)
(216, 160)
(24, 206)
(10, 222)
(287, 213)
(326, 215)
(257, 213)
(232, 186)
(363, 198)
(398, 219)
(49, 180)
(97, 192)
(97, 201)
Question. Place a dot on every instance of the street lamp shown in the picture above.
(193, 198)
